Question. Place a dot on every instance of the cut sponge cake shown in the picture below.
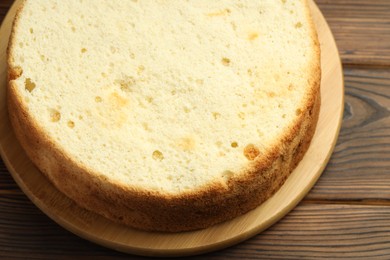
(165, 115)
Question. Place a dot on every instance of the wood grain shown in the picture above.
(43, 239)
(361, 29)
(360, 166)
(322, 232)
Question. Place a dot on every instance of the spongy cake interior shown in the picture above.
(164, 95)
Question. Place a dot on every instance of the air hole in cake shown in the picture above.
(216, 115)
(234, 26)
(126, 83)
(298, 25)
(234, 144)
(199, 81)
(83, 50)
(221, 154)
(298, 111)
(15, 73)
(146, 126)
(241, 115)
(223, 12)
(251, 152)
(55, 115)
(284, 116)
(271, 94)
(157, 155)
(186, 143)
(311, 111)
(253, 36)
(29, 85)
(149, 99)
(98, 99)
(225, 61)
(31, 30)
(140, 69)
(71, 124)
(186, 110)
(227, 175)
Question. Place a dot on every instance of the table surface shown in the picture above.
(345, 215)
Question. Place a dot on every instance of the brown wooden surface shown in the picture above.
(346, 215)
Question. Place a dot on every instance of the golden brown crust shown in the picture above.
(14, 72)
(149, 210)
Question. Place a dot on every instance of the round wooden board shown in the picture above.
(101, 231)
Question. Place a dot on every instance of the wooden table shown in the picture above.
(346, 214)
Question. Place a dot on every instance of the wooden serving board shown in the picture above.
(102, 231)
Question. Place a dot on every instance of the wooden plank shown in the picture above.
(309, 231)
(321, 232)
(361, 29)
(360, 167)
(25, 230)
